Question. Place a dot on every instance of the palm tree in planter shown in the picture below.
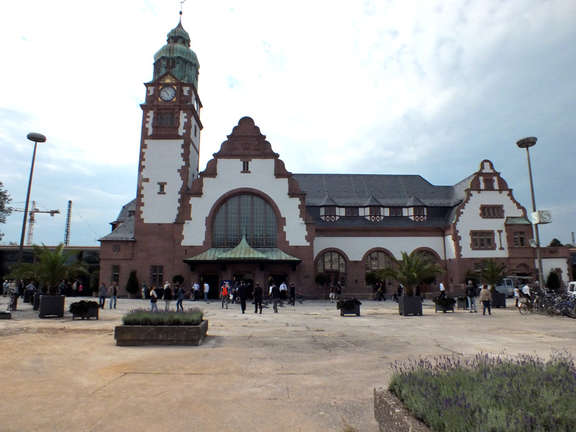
(409, 271)
(50, 267)
(491, 273)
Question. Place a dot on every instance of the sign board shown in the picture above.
(541, 217)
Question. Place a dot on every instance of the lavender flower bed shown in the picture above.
(489, 393)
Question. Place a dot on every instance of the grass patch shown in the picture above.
(489, 393)
(143, 317)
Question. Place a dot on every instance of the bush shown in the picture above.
(489, 393)
(193, 316)
(81, 307)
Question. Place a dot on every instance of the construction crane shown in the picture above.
(32, 219)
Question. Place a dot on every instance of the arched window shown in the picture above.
(378, 260)
(427, 255)
(247, 215)
(331, 262)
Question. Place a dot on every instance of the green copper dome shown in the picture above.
(177, 58)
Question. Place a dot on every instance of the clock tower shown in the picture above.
(170, 143)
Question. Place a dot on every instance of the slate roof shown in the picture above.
(387, 190)
(124, 224)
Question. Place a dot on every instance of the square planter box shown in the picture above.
(409, 305)
(5, 315)
(349, 307)
(134, 335)
(498, 300)
(51, 306)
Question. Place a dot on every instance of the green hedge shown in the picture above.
(143, 317)
(489, 393)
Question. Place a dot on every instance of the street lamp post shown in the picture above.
(36, 137)
(526, 143)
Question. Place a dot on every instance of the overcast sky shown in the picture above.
(393, 87)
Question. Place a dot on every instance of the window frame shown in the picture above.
(477, 237)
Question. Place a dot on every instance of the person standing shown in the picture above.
(292, 294)
(102, 292)
(442, 289)
(471, 296)
(113, 295)
(167, 295)
(206, 291)
(258, 294)
(144, 291)
(486, 299)
(153, 300)
(224, 294)
(283, 291)
(275, 294)
(196, 291)
(242, 294)
(179, 298)
(516, 296)
(526, 292)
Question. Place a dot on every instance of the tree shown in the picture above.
(50, 267)
(492, 272)
(411, 270)
(132, 285)
(553, 281)
(5, 210)
(555, 243)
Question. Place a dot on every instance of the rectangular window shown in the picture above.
(482, 240)
(245, 166)
(351, 211)
(161, 188)
(519, 239)
(156, 275)
(330, 211)
(492, 211)
(115, 277)
(419, 211)
(375, 211)
(165, 120)
(396, 211)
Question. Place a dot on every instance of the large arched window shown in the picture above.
(331, 262)
(377, 260)
(247, 215)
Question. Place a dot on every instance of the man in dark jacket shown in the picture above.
(275, 294)
(258, 294)
(242, 294)
(471, 296)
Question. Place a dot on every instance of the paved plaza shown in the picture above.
(303, 369)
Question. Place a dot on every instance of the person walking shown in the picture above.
(196, 291)
(442, 289)
(275, 294)
(167, 295)
(486, 299)
(471, 296)
(153, 299)
(258, 294)
(292, 294)
(242, 294)
(144, 291)
(180, 294)
(206, 291)
(225, 294)
(283, 291)
(113, 295)
(102, 292)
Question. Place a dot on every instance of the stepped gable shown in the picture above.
(246, 141)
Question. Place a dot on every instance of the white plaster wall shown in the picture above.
(549, 264)
(470, 220)
(261, 177)
(450, 247)
(162, 160)
(356, 247)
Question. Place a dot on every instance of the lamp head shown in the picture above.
(527, 142)
(36, 137)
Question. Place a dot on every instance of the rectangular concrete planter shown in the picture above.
(5, 315)
(133, 335)
(498, 300)
(409, 305)
(51, 306)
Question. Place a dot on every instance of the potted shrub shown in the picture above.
(349, 307)
(84, 309)
(142, 327)
(50, 267)
(132, 285)
(409, 271)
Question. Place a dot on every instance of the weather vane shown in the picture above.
(181, 6)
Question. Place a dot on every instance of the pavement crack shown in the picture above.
(108, 383)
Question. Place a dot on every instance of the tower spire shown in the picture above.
(180, 13)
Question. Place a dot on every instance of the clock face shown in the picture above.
(167, 93)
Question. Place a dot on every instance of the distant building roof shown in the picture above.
(124, 224)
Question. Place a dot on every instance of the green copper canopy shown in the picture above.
(243, 252)
(177, 58)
